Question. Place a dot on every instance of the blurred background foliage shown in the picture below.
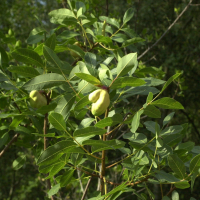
(178, 51)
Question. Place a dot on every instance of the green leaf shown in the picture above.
(39, 49)
(55, 152)
(82, 103)
(89, 78)
(3, 77)
(66, 177)
(55, 169)
(172, 139)
(89, 131)
(152, 111)
(66, 35)
(44, 81)
(51, 41)
(150, 97)
(170, 80)
(99, 145)
(150, 81)
(54, 190)
(65, 105)
(111, 21)
(136, 137)
(182, 185)
(77, 50)
(165, 198)
(132, 41)
(24, 71)
(171, 130)
(128, 15)
(3, 56)
(120, 37)
(127, 81)
(188, 146)
(33, 39)
(176, 164)
(175, 195)
(51, 57)
(166, 177)
(103, 39)
(63, 16)
(195, 164)
(45, 109)
(168, 118)
(167, 103)
(28, 56)
(109, 121)
(136, 121)
(19, 162)
(90, 61)
(127, 63)
(57, 121)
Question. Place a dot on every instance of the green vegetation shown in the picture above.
(132, 64)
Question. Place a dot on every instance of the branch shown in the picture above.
(9, 144)
(45, 139)
(86, 188)
(165, 31)
(171, 190)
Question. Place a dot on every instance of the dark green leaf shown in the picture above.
(65, 105)
(51, 41)
(170, 80)
(152, 111)
(28, 56)
(57, 121)
(177, 166)
(66, 177)
(168, 118)
(195, 164)
(54, 152)
(24, 71)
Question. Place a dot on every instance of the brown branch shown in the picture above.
(171, 190)
(86, 188)
(112, 183)
(165, 31)
(9, 144)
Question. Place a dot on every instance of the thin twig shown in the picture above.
(45, 139)
(86, 188)
(165, 31)
(103, 166)
(171, 190)
(9, 144)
